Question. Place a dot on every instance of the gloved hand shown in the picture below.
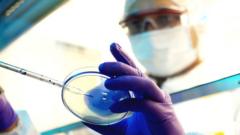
(8, 117)
(152, 107)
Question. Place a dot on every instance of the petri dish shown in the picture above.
(92, 108)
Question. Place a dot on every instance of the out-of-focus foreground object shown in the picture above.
(8, 117)
(11, 122)
(17, 16)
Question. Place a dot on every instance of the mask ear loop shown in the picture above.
(185, 20)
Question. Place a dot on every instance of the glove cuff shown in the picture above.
(8, 116)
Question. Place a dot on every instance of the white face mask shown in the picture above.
(164, 52)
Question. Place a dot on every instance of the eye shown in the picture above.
(174, 20)
(134, 26)
(135, 23)
(170, 20)
(162, 21)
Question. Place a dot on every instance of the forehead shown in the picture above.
(143, 6)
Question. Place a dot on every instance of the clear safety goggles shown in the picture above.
(162, 19)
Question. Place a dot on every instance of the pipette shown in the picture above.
(41, 78)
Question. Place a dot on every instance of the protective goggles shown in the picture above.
(143, 22)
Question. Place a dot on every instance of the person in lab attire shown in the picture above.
(162, 39)
(166, 46)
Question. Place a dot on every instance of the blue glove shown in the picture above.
(153, 112)
(8, 117)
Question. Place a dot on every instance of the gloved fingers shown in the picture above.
(129, 104)
(139, 85)
(139, 105)
(120, 55)
(118, 69)
(153, 110)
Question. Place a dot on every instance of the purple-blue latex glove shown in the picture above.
(153, 112)
(8, 117)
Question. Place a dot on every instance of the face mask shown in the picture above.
(164, 52)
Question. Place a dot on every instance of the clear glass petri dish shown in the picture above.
(93, 107)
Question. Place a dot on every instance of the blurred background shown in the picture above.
(67, 35)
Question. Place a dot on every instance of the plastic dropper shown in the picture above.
(41, 78)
